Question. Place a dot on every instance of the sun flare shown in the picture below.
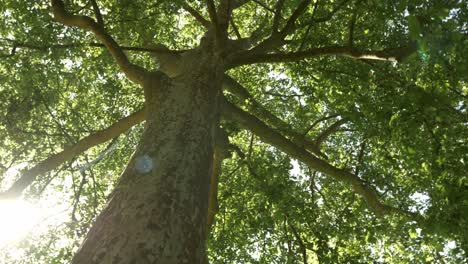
(17, 218)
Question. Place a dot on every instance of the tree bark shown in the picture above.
(158, 210)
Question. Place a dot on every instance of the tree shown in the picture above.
(367, 97)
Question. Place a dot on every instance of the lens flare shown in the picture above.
(17, 218)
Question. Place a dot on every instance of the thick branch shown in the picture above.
(212, 12)
(272, 137)
(223, 17)
(97, 13)
(258, 110)
(229, 110)
(220, 22)
(290, 25)
(28, 176)
(196, 15)
(277, 17)
(19, 45)
(224, 13)
(235, 29)
(133, 72)
(316, 122)
(213, 205)
(220, 153)
(392, 54)
(276, 38)
(330, 130)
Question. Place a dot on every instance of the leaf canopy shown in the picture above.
(404, 128)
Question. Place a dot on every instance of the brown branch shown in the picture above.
(230, 111)
(19, 45)
(272, 137)
(330, 130)
(316, 122)
(212, 12)
(277, 38)
(196, 15)
(97, 13)
(220, 153)
(29, 176)
(234, 27)
(213, 205)
(224, 13)
(220, 22)
(392, 54)
(277, 16)
(290, 25)
(134, 72)
(260, 111)
(99, 137)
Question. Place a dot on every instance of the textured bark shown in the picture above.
(158, 211)
(213, 198)
(221, 152)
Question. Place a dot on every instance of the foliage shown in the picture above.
(405, 131)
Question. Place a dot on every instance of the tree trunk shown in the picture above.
(158, 211)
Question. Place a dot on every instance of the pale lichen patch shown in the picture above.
(144, 164)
